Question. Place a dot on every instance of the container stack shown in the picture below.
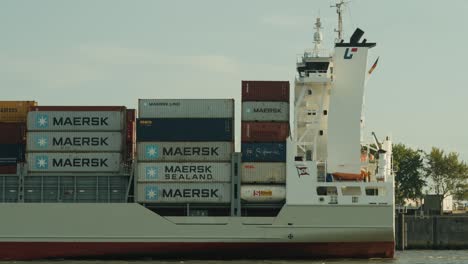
(12, 146)
(265, 127)
(76, 154)
(13, 134)
(184, 149)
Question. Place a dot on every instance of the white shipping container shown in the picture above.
(73, 162)
(263, 193)
(186, 108)
(184, 151)
(184, 192)
(263, 172)
(265, 111)
(74, 141)
(184, 172)
(75, 121)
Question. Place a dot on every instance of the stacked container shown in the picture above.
(13, 134)
(12, 146)
(184, 149)
(79, 151)
(265, 127)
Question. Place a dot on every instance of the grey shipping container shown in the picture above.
(75, 121)
(185, 129)
(72, 189)
(74, 141)
(263, 152)
(184, 151)
(184, 192)
(9, 188)
(73, 162)
(263, 172)
(184, 172)
(265, 111)
(186, 108)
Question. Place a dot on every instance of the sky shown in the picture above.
(112, 52)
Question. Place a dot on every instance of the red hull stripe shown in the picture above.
(215, 250)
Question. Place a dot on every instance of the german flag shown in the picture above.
(374, 66)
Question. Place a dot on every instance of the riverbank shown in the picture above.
(431, 232)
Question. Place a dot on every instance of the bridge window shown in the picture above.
(376, 191)
(327, 190)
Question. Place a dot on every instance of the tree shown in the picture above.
(408, 166)
(447, 173)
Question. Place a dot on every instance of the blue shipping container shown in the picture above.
(11, 153)
(264, 152)
(185, 129)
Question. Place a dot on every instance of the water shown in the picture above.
(406, 257)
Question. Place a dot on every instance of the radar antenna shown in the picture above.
(339, 10)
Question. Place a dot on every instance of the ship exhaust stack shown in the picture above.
(346, 100)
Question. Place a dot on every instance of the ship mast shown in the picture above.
(339, 10)
(318, 37)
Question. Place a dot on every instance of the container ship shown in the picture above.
(166, 182)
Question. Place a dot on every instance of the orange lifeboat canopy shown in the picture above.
(343, 176)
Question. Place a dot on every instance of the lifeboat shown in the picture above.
(343, 176)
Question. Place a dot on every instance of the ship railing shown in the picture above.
(317, 76)
(311, 53)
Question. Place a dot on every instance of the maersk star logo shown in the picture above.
(151, 173)
(42, 121)
(152, 152)
(42, 162)
(151, 193)
(42, 141)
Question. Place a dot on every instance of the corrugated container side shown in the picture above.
(75, 121)
(263, 172)
(12, 133)
(264, 131)
(265, 111)
(8, 169)
(9, 187)
(263, 193)
(69, 108)
(184, 192)
(130, 135)
(186, 108)
(11, 153)
(265, 91)
(73, 162)
(131, 114)
(15, 111)
(263, 152)
(184, 151)
(185, 129)
(74, 141)
(73, 189)
(184, 172)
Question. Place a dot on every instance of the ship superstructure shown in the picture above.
(303, 188)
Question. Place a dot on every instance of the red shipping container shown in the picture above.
(78, 108)
(12, 133)
(265, 91)
(8, 169)
(130, 130)
(264, 131)
(131, 115)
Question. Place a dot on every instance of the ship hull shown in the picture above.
(199, 250)
(37, 231)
